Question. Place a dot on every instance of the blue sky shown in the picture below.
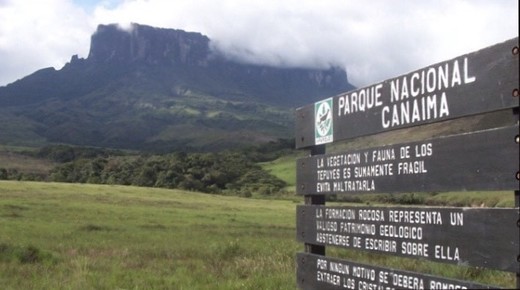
(373, 40)
(90, 5)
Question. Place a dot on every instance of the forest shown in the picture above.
(234, 172)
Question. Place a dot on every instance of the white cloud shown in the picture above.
(374, 40)
(37, 34)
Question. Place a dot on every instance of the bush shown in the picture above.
(228, 172)
(3, 174)
(25, 255)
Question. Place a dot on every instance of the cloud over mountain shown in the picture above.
(373, 40)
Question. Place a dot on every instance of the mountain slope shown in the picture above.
(158, 89)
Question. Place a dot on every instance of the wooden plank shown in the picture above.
(485, 160)
(315, 200)
(482, 237)
(324, 273)
(475, 83)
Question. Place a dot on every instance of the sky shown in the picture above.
(372, 39)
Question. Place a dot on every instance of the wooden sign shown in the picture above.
(324, 273)
(464, 236)
(475, 83)
(485, 160)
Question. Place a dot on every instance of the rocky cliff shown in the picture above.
(145, 44)
(148, 87)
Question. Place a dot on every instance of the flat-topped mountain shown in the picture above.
(159, 89)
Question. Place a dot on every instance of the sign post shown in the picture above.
(476, 83)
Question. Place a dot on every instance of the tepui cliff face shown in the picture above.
(172, 48)
(155, 88)
(145, 44)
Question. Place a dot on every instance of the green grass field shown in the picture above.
(68, 236)
(284, 168)
(77, 236)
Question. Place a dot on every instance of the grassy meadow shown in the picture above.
(70, 236)
(285, 169)
(83, 236)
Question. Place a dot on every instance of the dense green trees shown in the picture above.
(228, 172)
(225, 172)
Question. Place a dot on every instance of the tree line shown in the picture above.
(229, 172)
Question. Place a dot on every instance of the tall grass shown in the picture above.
(68, 236)
(72, 236)
(285, 169)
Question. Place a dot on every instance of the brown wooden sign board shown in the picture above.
(475, 83)
(324, 273)
(482, 237)
(485, 160)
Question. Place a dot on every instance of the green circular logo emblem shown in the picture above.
(323, 119)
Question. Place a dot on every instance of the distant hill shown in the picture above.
(159, 89)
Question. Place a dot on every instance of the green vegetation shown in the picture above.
(456, 199)
(84, 236)
(284, 168)
(268, 170)
(89, 236)
(71, 236)
(15, 165)
(230, 173)
(465, 273)
(18, 130)
(160, 115)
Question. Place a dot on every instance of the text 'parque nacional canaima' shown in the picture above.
(413, 98)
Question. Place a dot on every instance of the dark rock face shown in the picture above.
(149, 45)
(177, 48)
(184, 57)
(155, 88)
